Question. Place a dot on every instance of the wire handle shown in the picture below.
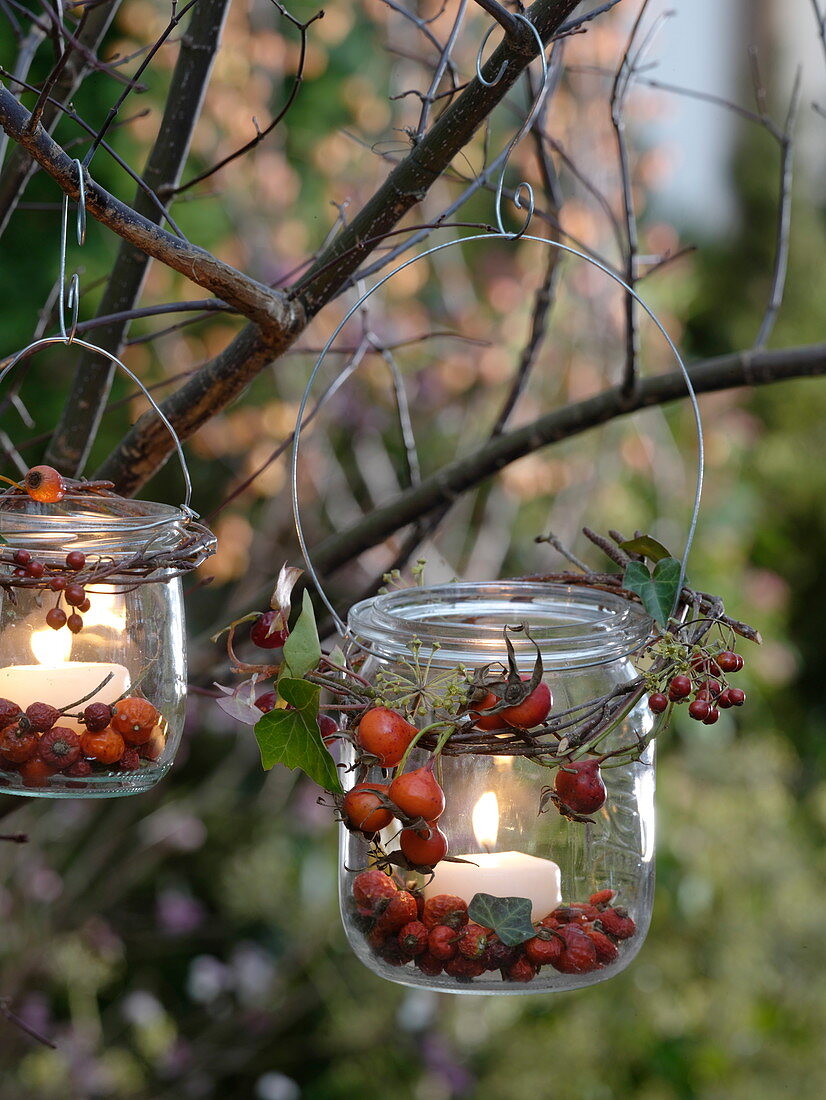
(69, 338)
(500, 233)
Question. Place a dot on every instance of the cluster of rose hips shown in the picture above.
(33, 744)
(71, 591)
(414, 796)
(706, 681)
(436, 934)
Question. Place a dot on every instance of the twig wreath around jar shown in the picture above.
(489, 747)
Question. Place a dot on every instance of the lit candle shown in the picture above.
(58, 681)
(502, 874)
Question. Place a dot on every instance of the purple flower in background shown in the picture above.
(177, 913)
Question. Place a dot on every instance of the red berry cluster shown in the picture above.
(705, 680)
(33, 745)
(437, 936)
(59, 580)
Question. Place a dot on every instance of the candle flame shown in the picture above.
(485, 820)
(51, 647)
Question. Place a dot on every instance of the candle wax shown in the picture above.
(504, 875)
(63, 684)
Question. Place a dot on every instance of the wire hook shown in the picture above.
(72, 298)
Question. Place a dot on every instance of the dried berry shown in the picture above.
(9, 712)
(134, 719)
(445, 909)
(371, 889)
(75, 623)
(56, 618)
(578, 954)
(385, 734)
(541, 950)
(658, 702)
(269, 631)
(464, 969)
(429, 965)
(580, 787)
(130, 761)
(607, 951)
(523, 970)
(36, 772)
(363, 810)
(617, 923)
(60, 747)
(74, 594)
(442, 942)
(473, 941)
(401, 910)
(18, 743)
(75, 560)
(97, 716)
(418, 794)
(22, 557)
(412, 939)
(423, 847)
(107, 747)
(44, 484)
(601, 897)
(81, 770)
(499, 956)
(41, 716)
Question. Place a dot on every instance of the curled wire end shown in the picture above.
(502, 68)
(523, 199)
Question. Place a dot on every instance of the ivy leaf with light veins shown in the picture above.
(510, 918)
(292, 737)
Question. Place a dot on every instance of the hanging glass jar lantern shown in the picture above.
(92, 653)
(557, 899)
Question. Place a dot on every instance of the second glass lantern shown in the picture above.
(92, 653)
(517, 851)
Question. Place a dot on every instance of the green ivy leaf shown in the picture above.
(648, 547)
(302, 650)
(510, 918)
(658, 591)
(292, 737)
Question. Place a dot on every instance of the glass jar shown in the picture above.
(129, 652)
(492, 821)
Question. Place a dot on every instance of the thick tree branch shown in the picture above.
(144, 448)
(76, 430)
(410, 180)
(268, 308)
(725, 372)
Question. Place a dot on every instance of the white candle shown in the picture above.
(502, 874)
(61, 683)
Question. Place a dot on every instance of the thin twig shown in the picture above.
(784, 217)
(260, 135)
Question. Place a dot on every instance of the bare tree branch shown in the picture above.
(725, 372)
(78, 424)
(266, 307)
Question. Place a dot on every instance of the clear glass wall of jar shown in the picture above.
(131, 645)
(586, 638)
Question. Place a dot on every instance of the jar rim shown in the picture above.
(103, 523)
(464, 623)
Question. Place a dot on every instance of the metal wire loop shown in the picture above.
(48, 341)
(695, 512)
(502, 68)
(72, 297)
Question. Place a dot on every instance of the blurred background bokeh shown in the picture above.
(186, 943)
